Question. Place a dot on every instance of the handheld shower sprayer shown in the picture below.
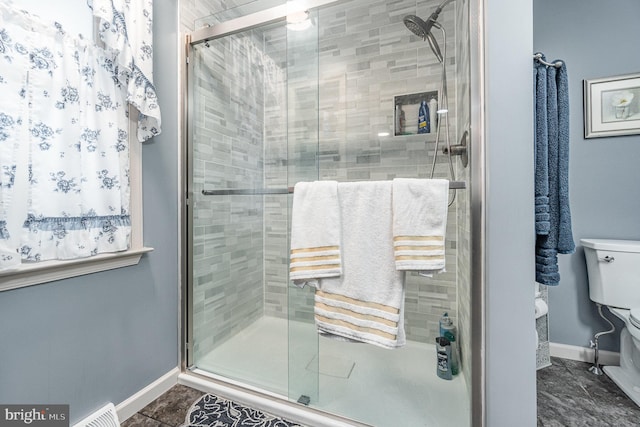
(422, 28)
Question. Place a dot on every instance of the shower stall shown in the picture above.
(282, 92)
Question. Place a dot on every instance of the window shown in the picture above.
(32, 273)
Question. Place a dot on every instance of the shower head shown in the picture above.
(417, 26)
(423, 29)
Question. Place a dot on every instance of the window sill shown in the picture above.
(49, 271)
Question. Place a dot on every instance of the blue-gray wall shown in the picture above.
(103, 337)
(596, 39)
(510, 345)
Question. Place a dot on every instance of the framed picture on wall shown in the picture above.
(612, 106)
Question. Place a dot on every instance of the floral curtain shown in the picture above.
(64, 154)
(126, 28)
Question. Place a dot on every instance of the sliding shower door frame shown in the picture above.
(254, 20)
(476, 186)
(186, 358)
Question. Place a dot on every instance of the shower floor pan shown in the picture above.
(362, 382)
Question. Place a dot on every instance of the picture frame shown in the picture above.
(612, 106)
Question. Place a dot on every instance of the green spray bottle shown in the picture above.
(448, 330)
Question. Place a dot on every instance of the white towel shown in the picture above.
(366, 303)
(315, 232)
(420, 223)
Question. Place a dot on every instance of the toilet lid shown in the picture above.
(634, 317)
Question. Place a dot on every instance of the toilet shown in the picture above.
(613, 267)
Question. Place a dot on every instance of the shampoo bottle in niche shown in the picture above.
(433, 114)
(424, 118)
(443, 358)
(448, 331)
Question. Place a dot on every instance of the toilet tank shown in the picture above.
(613, 267)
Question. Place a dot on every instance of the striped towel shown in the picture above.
(315, 233)
(366, 303)
(357, 320)
(419, 224)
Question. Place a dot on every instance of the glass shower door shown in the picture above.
(303, 155)
(246, 92)
(270, 107)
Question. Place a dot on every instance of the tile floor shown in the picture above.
(170, 409)
(568, 396)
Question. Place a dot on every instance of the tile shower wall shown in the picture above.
(276, 221)
(235, 87)
(366, 58)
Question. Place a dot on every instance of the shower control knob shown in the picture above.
(459, 149)
(456, 150)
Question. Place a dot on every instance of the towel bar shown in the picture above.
(453, 185)
(538, 57)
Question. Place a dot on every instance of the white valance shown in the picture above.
(126, 27)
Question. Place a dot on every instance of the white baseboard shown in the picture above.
(583, 354)
(147, 395)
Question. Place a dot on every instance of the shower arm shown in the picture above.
(434, 15)
(443, 4)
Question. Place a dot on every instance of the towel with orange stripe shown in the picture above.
(366, 303)
(315, 233)
(419, 224)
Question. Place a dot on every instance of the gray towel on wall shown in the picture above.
(566, 244)
(541, 151)
(552, 140)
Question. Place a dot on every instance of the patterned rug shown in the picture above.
(214, 411)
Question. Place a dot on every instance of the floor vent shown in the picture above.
(103, 417)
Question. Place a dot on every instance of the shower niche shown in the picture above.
(407, 110)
